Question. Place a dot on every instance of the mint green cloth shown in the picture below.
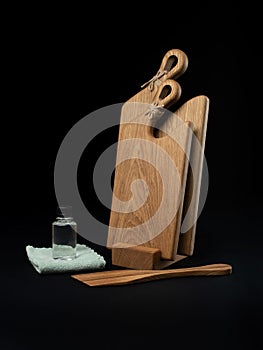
(43, 262)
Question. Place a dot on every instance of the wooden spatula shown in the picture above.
(119, 277)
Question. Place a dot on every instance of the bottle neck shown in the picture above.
(62, 218)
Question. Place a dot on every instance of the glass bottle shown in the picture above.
(64, 235)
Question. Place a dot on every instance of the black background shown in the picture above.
(61, 64)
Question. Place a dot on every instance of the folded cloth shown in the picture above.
(43, 262)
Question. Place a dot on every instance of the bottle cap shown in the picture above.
(64, 211)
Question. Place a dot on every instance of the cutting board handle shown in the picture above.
(168, 93)
(175, 63)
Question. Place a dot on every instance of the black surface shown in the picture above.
(60, 67)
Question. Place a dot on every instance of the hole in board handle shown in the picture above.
(166, 90)
(171, 63)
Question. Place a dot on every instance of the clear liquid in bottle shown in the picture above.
(64, 235)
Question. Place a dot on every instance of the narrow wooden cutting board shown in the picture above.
(150, 176)
(196, 112)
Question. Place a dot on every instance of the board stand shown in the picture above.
(141, 258)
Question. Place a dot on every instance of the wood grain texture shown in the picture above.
(141, 257)
(120, 277)
(154, 223)
(196, 112)
(137, 257)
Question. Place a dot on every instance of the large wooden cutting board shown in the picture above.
(150, 216)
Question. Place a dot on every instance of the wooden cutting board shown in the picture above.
(196, 112)
(150, 216)
(174, 64)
